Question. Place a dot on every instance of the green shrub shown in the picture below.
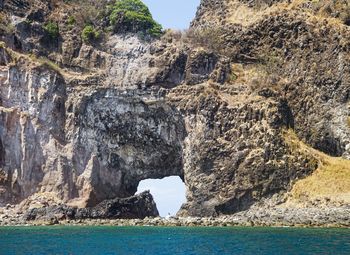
(71, 20)
(233, 77)
(89, 34)
(52, 29)
(134, 16)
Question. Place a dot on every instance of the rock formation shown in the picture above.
(138, 206)
(253, 98)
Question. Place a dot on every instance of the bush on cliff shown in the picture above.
(89, 34)
(71, 21)
(52, 29)
(133, 16)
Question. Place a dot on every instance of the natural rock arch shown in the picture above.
(122, 140)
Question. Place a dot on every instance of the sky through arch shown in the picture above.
(169, 193)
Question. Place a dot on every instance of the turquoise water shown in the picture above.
(167, 240)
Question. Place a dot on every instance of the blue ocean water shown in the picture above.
(168, 240)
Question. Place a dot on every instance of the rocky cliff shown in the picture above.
(250, 107)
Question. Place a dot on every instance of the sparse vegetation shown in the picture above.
(271, 61)
(45, 62)
(339, 9)
(210, 38)
(88, 14)
(237, 73)
(134, 16)
(89, 34)
(266, 71)
(38, 61)
(12, 55)
(233, 77)
(49, 64)
(5, 25)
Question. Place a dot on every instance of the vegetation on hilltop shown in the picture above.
(93, 18)
(133, 16)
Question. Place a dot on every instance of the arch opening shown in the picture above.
(169, 193)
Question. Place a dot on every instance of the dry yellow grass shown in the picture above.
(316, 9)
(329, 183)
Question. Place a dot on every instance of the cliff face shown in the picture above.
(292, 44)
(83, 123)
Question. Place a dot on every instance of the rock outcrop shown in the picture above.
(135, 207)
(84, 123)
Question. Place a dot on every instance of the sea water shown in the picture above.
(172, 240)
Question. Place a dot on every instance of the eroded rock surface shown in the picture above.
(122, 140)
